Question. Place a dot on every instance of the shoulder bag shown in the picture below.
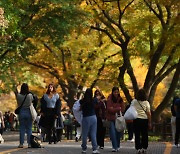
(33, 112)
(131, 113)
(120, 123)
(17, 111)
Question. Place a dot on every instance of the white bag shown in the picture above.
(1, 139)
(77, 112)
(131, 113)
(120, 123)
(33, 112)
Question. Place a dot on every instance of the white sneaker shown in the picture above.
(143, 150)
(114, 150)
(132, 141)
(83, 151)
(95, 151)
(138, 151)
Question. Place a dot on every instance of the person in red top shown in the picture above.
(115, 104)
(100, 107)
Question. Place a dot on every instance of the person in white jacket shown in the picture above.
(78, 116)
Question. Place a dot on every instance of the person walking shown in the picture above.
(25, 118)
(89, 121)
(115, 104)
(100, 107)
(177, 110)
(173, 119)
(50, 111)
(78, 119)
(142, 122)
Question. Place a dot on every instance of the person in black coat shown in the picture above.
(50, 111)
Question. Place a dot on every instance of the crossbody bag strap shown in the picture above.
(23, 101)
(141, 106)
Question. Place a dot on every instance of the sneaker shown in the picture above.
(83, 151)
(177, 145)
(29, 145)
(143, 150)
(101, 147)
(95, 151)
(76, 139)
(20, 146)
(132, 141)
(138, 151)
(114, 150)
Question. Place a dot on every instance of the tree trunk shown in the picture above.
(169, 94)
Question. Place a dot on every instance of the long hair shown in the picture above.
(48, 90)
(24, 89)
(98, 92)
(114, 99)
(141, 95)
(88, 96)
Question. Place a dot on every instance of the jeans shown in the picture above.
(25, 121)
(89, 127)
(114, 136)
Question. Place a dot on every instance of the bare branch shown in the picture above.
(108, 34)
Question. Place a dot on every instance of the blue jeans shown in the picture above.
(89, 126)
(114, 136)
(25, 121)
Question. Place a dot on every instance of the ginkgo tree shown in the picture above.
(147, 29)
(29, 20)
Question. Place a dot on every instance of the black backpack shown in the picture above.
(35, 142)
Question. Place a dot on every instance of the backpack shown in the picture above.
(35, 142)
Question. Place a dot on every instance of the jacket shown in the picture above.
(113, 108)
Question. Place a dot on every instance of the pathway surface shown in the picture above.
(72, 147)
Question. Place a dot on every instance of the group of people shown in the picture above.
(93, 110)
(49, 113)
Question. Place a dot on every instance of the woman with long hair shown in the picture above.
(50, 111)
(100, 108)
(89, 121)
(115, 104)
(25, 118)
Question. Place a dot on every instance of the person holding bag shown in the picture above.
(24, 99)
(115, 104)
(142, 122)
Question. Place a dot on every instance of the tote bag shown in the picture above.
(33, 112)
(131, 113)
(120, 123)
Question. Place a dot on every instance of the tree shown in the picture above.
(142, 29)
(30, 21)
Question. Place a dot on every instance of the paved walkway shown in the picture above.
(72, 147)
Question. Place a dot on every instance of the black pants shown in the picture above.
(101, 131)
(141, 133)
(59, 133)
(177, 130)
(130, 129)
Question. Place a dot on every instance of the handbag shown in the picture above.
(120, 123)
(33, 112)
(17, 111)
(35, 142)
(131, 113)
